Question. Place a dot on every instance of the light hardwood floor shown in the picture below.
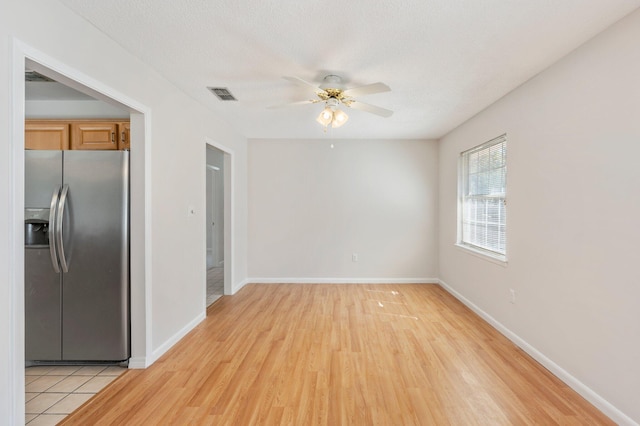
(337, 355)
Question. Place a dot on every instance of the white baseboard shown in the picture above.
(238, 286)
(156, 354)
(138, 363)
(587, 393)
(343, 280)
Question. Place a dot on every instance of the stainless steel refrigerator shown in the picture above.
(77, 256)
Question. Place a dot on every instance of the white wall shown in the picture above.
(312, 206)
(572, 220)
(177, 129)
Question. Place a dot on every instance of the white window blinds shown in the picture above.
(483, 196)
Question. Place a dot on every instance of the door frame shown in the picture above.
(140, 234)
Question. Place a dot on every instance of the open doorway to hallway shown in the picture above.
(215, 224)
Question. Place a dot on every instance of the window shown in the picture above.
(482, 213)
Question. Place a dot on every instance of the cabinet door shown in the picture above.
(124, 143)
(46, 135)
(94, 135)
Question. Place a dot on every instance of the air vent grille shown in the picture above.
(222, 93)
(36, 76)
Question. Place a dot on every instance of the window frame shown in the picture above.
(463, 181)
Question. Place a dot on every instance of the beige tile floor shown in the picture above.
(215, 284)
(53, 392)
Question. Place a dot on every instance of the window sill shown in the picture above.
(488, 256)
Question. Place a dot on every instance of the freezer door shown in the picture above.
(43, 173)
(95, 290)
(42, 297)
(42, 307)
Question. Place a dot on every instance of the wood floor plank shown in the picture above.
(286, 354)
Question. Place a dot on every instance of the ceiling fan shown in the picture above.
(333, 94)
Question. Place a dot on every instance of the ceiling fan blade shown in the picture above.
(368, 89)
(370, 108)
(303, 83)
(313, 101)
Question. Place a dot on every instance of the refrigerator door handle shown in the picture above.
(52, 230)
(59, 223)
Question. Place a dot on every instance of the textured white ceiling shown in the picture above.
(445, 60)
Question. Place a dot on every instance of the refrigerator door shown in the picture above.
(43, 173)
(95, 291)
(43, 176)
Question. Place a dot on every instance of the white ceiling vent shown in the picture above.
(222, 93)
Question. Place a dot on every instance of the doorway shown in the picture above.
(53, 306)
(215, 223)
(26, 57)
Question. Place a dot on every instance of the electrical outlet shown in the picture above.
(512, 295)
(354, 257)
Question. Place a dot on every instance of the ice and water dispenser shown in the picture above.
(36, 227)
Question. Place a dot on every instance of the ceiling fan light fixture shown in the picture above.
(325, 117)
(339, 118)
(333, 93)
(332, 116)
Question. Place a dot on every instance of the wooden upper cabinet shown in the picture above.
(78, 134)
(124, 143)
(94, 135)
(46, 135)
